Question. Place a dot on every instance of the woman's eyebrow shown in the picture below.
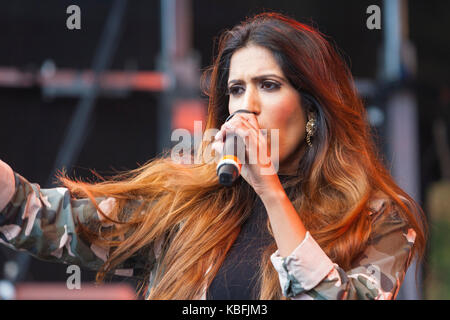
(259, 78)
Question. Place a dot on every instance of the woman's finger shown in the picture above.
(217, 146)
(218, 135)
(251, 119)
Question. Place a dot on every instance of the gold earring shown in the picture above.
(311, 127)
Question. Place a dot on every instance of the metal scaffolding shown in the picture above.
(401, 117)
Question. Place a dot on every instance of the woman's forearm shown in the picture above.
(287, 227)
(7, 184)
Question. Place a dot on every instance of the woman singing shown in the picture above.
(329, 223)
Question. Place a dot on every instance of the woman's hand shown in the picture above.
(7, 184)
(288, 229)
(257, 169)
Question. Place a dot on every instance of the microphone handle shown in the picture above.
(229, 167)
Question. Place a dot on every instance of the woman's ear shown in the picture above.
(310, 114)
(308, 107)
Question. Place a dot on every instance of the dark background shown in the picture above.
(123, 131)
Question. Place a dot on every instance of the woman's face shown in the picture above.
(256, 83)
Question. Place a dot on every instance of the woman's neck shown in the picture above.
(289, 165)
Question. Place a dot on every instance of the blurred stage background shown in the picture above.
(107, 96)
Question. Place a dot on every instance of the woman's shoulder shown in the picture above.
(381, 203)
(377, 202)
(387, 216)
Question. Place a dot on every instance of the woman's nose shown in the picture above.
(251, 102)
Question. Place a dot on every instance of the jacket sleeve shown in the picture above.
(43, 222)
(308, 273)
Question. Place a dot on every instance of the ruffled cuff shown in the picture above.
(303, 269)
(7, 184)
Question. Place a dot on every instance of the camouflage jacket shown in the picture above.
(43, 223)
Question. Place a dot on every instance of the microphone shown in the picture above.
(229, 167)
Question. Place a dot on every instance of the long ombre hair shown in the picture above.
(336, 177)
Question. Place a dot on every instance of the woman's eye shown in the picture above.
(269, 85)
(235, 90)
